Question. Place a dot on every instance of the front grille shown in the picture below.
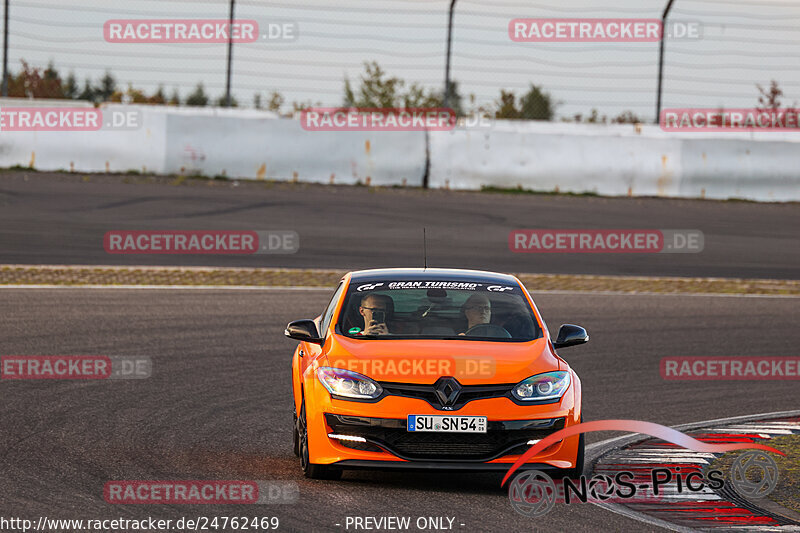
(464, 446)
(466, 394)
(501, 438)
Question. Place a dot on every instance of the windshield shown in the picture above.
(437, 310)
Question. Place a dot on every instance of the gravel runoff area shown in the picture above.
(787, 491)
(69, 275)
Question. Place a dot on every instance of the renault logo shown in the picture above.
(447, 390)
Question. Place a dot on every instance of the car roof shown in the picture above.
(430, 274)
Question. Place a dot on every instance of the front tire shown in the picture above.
(577, 471)
(311, 470)
(295, 436)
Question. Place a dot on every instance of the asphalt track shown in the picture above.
(51, 218)
(218, 403)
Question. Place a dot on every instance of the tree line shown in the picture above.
(376, 89)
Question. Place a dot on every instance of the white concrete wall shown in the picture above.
(605, 159)
(618, 160)
(268, 148)
(141, 149)
(735, 168)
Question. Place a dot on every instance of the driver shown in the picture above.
(478, 310)
(374, 308)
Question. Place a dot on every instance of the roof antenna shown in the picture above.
(424, 249)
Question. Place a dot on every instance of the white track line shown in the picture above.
(176, 287)
(306, 288)
(645, 293)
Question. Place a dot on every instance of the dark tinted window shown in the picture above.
(328, 315)
(437, 309)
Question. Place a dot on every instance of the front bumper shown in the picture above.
(385, 448)
(427, 466)
(390, 435)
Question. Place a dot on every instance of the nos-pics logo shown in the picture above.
(533, 493)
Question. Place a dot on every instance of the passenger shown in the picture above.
(478, 310)
(375, 309)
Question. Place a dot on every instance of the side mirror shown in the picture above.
(570, 335)
(303, 330)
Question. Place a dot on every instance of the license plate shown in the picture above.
(447, 424)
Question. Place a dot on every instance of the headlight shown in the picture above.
(340, 382)
(548, 386)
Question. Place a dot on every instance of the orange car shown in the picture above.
(432, 369)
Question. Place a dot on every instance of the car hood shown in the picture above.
(425, 361)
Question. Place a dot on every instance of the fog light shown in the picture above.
(352, 438)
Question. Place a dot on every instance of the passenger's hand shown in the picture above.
(376, 329)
